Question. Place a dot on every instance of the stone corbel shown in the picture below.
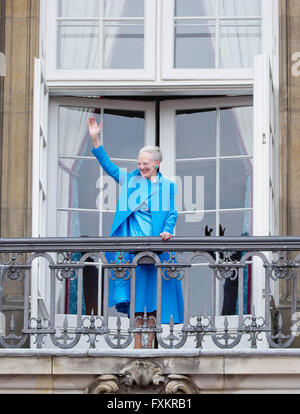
(180, 384)
(142, 377)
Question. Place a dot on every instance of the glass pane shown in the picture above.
(196, 134)
(236, 183)
(123, 133)
(198, 181)
(77, 183)
(124, 8)
(74, 138)
(107, 221)
(76, 224)
(78, 8)
(123, 45)
(233, 8)
(194, 44)
(240, 41)
(184, 227)
(237, 223)
(78, 45)
(195, 8)
(236, 131)
(200, 291)
(187, 228)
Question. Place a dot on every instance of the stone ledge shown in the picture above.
(211, 374)
(110, 363)
(23, 365)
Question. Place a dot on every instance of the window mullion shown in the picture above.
(217, 46)
(101, 33)
(218, 176)
(101, 174)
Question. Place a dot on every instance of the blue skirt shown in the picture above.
(139, 224)
(146, 293)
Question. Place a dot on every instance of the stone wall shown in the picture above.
(20, 25)
(277, 373)
(289, 120)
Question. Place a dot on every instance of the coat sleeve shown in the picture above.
(172, 214)
(108, 166)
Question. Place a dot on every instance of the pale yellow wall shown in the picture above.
(20, 23)
(21, 46)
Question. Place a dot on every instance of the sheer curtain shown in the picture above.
(243, 121)
(236, 49)
(73, 139)
(112, 9)
(78, 42)
(122, 47)
(239, 43)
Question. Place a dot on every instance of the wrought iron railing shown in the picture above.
(44, 267)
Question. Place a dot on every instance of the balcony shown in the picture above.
(39, 327)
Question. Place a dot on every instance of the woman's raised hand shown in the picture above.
(94, 131)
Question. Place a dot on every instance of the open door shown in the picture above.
(39, 308)
(82, 198)
(266, 167)
(212, 137)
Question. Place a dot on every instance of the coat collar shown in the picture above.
(136, 172)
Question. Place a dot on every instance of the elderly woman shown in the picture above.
(146, 207)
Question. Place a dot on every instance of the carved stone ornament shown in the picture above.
(141, 377)
(180, 384)
(104, 384)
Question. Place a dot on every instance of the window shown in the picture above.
(144, 40)
(212, 160)
(79, 179)
(162, 45)
(214, 38)
(101, 39)
(216, 34)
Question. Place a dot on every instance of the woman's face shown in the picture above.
(146, 165)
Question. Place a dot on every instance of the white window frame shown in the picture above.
(265, 206)
(167, 119)
(168, 146)
(39, 285)
(55, 103)
(261, 155)
(159, 35)
(225, 75)
(54, 74)
(53, 155)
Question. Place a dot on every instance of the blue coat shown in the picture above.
(163, 217)
(163, 205)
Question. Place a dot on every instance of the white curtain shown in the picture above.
(112, 9)
(78, 44)
(73, 140)
(243, 119)
(78, 8)
(239, 43)
(240, 8)
(237, 49)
